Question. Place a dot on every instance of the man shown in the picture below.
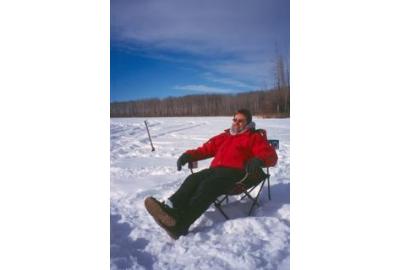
(236, 151)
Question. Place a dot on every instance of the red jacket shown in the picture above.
(234, 151)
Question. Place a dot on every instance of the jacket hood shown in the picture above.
(249, 126)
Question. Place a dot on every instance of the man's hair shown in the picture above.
(246, 113)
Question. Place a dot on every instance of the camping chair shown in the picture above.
(245, 186)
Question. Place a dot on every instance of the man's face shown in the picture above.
(239, 122)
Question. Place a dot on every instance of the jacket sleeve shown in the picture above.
(263, 150)
(208, 149)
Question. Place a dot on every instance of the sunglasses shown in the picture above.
(240, 121)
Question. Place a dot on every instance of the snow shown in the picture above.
(258, 242)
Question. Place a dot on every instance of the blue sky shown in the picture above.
(182, 47)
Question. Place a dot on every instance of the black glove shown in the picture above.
(253, 165)
(182, 160)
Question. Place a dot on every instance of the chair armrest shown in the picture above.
(192, 164)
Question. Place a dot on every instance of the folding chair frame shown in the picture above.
(246, 190)
(219, 201)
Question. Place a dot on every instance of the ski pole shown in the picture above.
(148, 133)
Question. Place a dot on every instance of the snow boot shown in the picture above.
(160, 212)
(171, 231)
(165, 217)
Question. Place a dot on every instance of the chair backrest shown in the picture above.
(274, 143)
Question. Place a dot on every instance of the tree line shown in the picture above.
(271, 103)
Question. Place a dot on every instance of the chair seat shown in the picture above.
(249, 182)
(245, 186)
(238, 189)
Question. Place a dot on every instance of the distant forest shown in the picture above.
(266, 103)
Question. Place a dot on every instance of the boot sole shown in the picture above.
(171, 234)
(155, 210)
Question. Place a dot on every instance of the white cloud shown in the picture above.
(199, 88)
(228, 81)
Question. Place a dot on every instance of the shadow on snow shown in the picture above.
(124, 251)
(280, 195)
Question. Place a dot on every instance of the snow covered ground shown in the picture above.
(258, 242)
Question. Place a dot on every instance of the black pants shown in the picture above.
(199, 191)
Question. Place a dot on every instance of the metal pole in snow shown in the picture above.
(148, 133)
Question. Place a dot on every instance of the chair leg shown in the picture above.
(218, 206)
(220, 201)
(256, 198)
(255, 202)
(269, 187)
(247, 194)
